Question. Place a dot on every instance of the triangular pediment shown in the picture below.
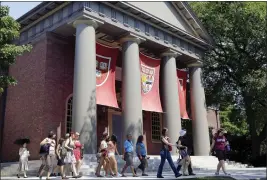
(177, 14)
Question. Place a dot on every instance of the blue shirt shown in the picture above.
(142, 149)
(128, 146)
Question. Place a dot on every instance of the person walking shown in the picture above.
(128, 156)
(141, 154)
(23, 160)
(102, 156)
(49, 148)
(70, 158)
(112, 149)
(219, 143)
(185, 150)
(61, 153)
(165, 154)
(78, 152)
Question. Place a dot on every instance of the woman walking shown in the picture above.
(78, 152)
(219, 142)
(23, 160)
(112, 149)
(165, 154)
(102, 156)
(60, 151)
(70, 158)
(141, 154)
(49, 148)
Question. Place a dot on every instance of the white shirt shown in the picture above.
(103, 145)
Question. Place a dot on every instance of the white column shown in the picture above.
(131, 87)
(84, 86)
(199, 113)
(170, 95)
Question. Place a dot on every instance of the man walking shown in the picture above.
(128, 155)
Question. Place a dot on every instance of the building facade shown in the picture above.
(57, 80)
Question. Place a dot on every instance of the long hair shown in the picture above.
(140, 139)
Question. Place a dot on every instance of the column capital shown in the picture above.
(89, 22)
(197, 64)
(170, 52)
(131, 37)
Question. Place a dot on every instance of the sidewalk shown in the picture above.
(244, 174)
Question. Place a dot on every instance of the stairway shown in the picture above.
(90, 163)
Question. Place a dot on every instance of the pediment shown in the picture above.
(177, 14)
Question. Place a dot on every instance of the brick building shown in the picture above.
(52, 74)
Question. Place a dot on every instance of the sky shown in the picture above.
(17, 9)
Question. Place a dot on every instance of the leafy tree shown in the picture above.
(235, 70)
(233, 121)
(9, 31)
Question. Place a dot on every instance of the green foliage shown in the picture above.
(235, 71)
(233, 121)
(9, 31)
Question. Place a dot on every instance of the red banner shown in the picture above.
(150, 83)
(106, 58)
(181, 78)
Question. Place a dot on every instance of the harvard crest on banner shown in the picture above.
(106, 58)
(149, 68)
(147, 78)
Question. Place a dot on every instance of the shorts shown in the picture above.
(128, 157)
(220, 154)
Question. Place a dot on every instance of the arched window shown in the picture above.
(69, 114)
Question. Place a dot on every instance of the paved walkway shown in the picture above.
(240, 174)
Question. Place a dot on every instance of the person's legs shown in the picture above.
(162, 162)
(73, 168)
(123, 169)
(78, 165)
(185, 167)
(49, 163)
(220, 158)
(190, 169)
(100, 164)
(169, 159)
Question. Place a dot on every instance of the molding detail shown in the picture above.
(131, 37)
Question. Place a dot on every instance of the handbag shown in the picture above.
(44, 149)
(169, 147)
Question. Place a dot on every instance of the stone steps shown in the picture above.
(90, 164)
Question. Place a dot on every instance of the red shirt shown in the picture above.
(220, 142)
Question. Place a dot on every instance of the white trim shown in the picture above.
(66, 110)
(154, 69)
(104, 57)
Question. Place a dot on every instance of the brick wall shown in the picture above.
(25, 102)
(37, 103)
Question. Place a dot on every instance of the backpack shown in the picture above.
(63, 151)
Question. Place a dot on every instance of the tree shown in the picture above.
(235, 70)
(9, 31)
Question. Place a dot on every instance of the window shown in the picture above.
(155, 126)
(69, 114)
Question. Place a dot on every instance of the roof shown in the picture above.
(46, 6)
(37, 12)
